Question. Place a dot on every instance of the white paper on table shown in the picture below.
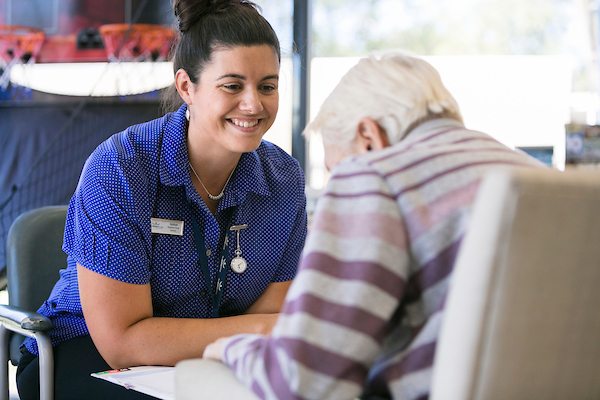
(152, 380)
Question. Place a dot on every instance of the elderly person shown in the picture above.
(363, 315)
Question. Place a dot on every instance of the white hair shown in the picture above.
(395, 89)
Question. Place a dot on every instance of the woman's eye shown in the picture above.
(268, 88)
(232, 87)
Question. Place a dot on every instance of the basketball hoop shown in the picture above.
(18, 45)
(137, 42)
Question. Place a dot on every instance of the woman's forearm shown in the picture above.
(165, 341)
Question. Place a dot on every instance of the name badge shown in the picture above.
(166, 226)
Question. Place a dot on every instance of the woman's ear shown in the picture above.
(183, 84)
(370, 135)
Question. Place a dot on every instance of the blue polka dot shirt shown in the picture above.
(142, 173)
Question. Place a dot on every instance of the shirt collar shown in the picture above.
(248, 177)
(435, 124)
(173, 151)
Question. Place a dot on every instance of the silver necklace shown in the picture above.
(212, 196)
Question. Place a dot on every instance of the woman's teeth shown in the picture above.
(244, 124)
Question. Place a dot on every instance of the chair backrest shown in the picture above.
(33, 258)
(522, 318)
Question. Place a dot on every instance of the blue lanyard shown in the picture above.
(217, 295)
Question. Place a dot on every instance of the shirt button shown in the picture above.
(208, 252)
(203, 293)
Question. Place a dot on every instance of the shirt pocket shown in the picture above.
(175, 279)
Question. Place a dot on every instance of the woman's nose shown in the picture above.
(251, 102)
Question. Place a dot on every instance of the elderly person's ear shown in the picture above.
(370, 135)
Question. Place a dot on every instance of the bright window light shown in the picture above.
(94, 79)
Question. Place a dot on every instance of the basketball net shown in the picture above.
(135, 52)
(18, 45)
(137, 42)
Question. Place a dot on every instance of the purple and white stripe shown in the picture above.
(364, 312)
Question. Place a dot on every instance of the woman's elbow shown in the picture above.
(116, 350)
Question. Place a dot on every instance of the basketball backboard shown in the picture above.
(71, 26)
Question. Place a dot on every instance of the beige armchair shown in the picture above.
(522, 317)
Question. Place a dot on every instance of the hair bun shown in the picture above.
(189, 12)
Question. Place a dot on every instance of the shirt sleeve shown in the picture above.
(102, 232)
(335, 316)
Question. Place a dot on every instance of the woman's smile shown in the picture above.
(244, 123)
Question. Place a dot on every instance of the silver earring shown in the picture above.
(187, 114)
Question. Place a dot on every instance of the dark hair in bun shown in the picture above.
(207, 24)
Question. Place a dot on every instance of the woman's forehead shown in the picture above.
(255, 60)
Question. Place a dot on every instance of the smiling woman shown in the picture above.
(192, 220)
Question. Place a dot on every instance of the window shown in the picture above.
(519, 70)
(279, 14)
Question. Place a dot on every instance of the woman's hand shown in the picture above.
(216, 350)
(268, 322)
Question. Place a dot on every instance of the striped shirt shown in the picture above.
(363, 314)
